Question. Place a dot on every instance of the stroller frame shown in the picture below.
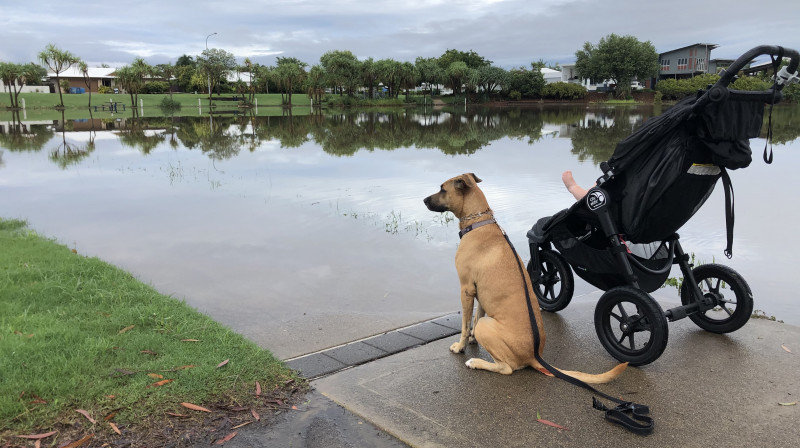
(630, 324)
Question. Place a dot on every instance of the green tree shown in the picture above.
(369, 75)
(216, 65)
(491, 77)
(289, 74)
(528, 83)
(618, 58)
(389, 75)
(58, 61)
(132, 78)
(457, 75)
(409, 77)
(315, 84)
(84, 68)
(343, 70)
(430, 73)
(168, 72)
(16, 76)
(470, 58)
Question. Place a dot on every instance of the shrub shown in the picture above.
(676, 89)
(105, 89)
(156, 87)
(564, 91)
(169, 105)
(792, 93)
(515, 95)
(751, 83)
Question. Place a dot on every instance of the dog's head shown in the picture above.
(453, 195)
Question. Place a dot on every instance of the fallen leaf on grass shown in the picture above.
(86, 414)
(194, 407)
(79, 442)
(243, 424)
(159, 383)
(222, 363)
(110, 416)
(785, 348)
(793, 403)
(114, 427)
(258, 389)
(37, 436)
(148, 352)
(155, 376)
(128, 328)
(176, 415)
(549, 423)
(255, 414)
(125, 372)
(190, 340)
(294, 407)
(226, 438)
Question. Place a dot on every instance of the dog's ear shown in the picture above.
(465, 181)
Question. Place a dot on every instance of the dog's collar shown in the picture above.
(488, 211)
(472, 227)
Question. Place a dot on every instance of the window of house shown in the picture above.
(665, 65)
(701, 64)
(683, 63)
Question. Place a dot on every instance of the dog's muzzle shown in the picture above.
(433, 206)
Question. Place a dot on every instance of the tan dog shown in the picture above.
(488, 272)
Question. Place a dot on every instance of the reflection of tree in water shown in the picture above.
(23, 137)
(142, 134)
(785, 123)
(597, 136)
(67, 153)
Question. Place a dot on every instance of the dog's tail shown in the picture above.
(590, 378)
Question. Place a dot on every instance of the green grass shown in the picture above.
(41, 106)
(78, 333)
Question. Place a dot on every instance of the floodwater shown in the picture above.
(306, 232)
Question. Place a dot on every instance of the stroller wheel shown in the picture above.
(556, 283)
(730, 293)
(631, 325)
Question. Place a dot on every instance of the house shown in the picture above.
(98, 76)
(550, 75)
(686, 62)
(570, 74)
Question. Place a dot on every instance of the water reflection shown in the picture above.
(303, 232)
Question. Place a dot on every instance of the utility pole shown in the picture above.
(209, 74)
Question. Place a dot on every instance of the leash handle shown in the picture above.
(638, 422)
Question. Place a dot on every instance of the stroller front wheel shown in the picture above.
(631, 325)
(730, 293)
(556, 284)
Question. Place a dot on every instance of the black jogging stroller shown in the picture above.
(621, 237)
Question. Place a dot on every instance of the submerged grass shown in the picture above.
(78, 333)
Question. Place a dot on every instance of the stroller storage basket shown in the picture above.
(590, 258)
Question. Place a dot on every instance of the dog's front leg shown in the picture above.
(468, 293)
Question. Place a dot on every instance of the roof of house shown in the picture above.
(94, 72)
(710, 46)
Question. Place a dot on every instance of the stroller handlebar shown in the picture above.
(786, 75)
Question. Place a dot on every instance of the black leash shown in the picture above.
(631, 416)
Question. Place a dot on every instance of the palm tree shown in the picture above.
(85, 72)
(59, 61)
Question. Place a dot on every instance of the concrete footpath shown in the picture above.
(705, 390)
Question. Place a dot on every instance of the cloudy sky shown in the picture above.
(510, 33)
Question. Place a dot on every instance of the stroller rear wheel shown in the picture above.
(556, 283)
(730, 293)
(631, 325)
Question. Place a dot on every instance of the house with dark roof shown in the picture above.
(686, 62)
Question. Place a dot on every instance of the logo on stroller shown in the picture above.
(595, 199)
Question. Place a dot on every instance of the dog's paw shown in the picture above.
(472, 340)
(457, 347)
(471, 363)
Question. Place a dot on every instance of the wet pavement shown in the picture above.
(706, 389)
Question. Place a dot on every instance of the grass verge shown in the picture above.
(79, 334)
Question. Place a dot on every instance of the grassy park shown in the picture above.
(87, 350)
